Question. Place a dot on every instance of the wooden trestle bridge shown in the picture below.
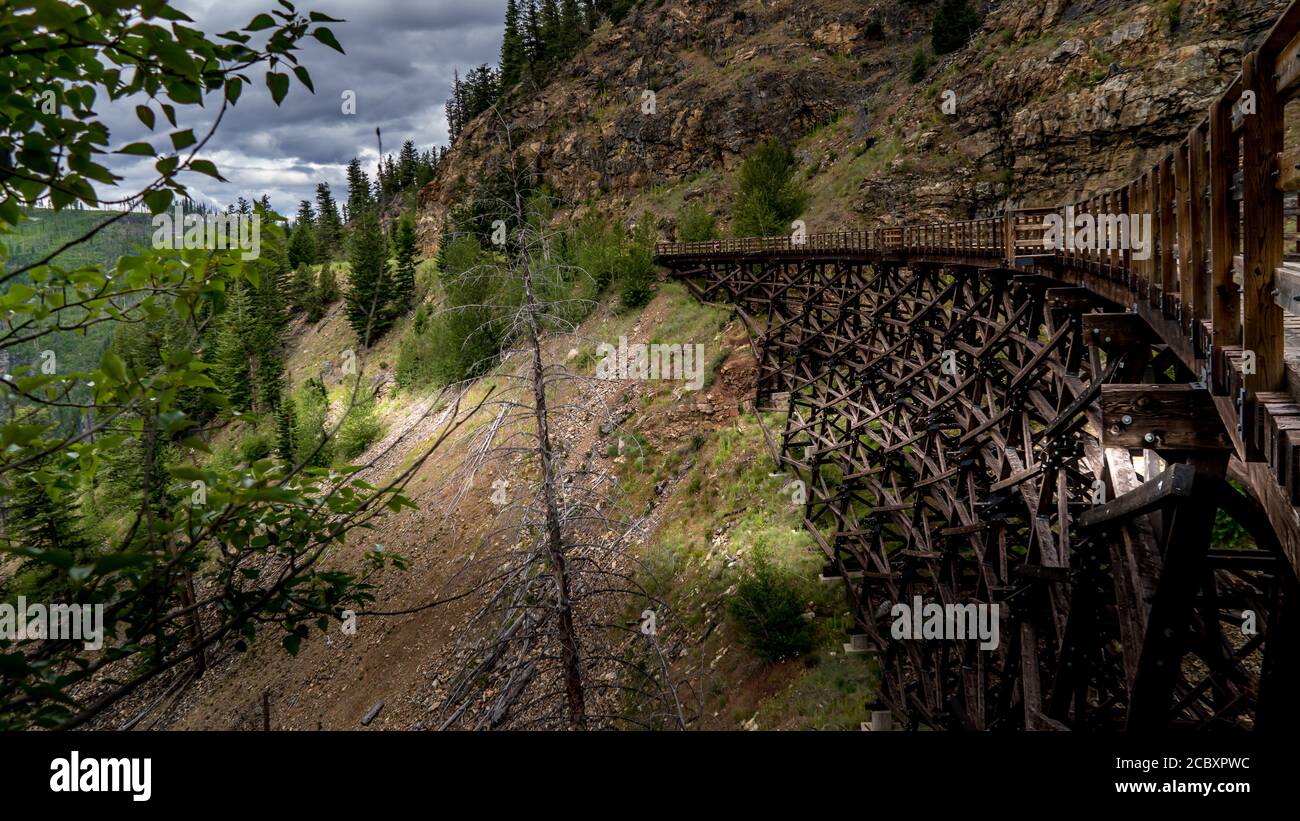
(981, 419)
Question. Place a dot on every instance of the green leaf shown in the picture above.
(304, 78)
(279, 85)
(113, 365)
(183, 139)
(158, 201)
(327, 37)
(206, 167)
(138, 149)
(145, 113)
(261, 21)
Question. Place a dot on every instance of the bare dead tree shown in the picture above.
(554, 641)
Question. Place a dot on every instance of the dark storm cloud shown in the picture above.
(399, 62)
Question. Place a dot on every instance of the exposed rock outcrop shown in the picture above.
(1051, 99)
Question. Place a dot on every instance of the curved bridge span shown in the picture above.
(1099, 446)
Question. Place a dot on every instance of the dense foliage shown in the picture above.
(131, 507)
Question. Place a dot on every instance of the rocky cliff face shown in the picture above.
(1050, 99)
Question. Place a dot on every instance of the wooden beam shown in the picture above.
(1114, 331)
(1174, 483)
(1262, 229)
(1161, 417)
(1225, 305)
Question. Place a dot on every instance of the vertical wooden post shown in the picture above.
(1168, 236)
(1196, 217)
(1262, 227)
(1225, 305)
(1183, 198)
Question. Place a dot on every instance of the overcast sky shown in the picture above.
(399, 61)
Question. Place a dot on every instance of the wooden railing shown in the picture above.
(1217, 278)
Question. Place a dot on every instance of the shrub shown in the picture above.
(360, 428)
(328, 289)
(696, 224)
(875, 28)
(920, 65)
(256, 445)
(1174, 14)
(311, 407)
(767, 196)
(768, 609)
(636, 280)
(953, 26)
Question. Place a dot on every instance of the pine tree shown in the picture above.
(513, 58)
(403, 290)
(329, 230)
(232, 354)
(285, 429)
(453, 107)
(407, 169)
(532, 33)
(551, 37)
(368, 288)
(327, 291)
(359, 199)
(302, 245)
(571, 28)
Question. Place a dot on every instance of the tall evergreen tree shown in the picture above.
(403, 290)
(534, 53)
(513, 58)
(302, 245)
(551, 37)
(408, 166)
(572, 28)
(329, 229)
(453, 107)
(232, 370)
(359, 199)
(285, 429)
(369, 284)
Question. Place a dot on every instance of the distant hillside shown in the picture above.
(1081, 92)
(44, 230)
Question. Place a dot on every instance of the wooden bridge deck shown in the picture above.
(934, 369)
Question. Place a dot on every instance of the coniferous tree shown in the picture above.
(301, 292)
(453, 107)
(327, 291)
(532, 33)
(403, 290)
(359, 199)
(550, 38)
(572, 30)
(329, 229)
(302, 245)
(368, 289)
(513, 59)
(232, 370)
(285, 429)
(407, 170)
